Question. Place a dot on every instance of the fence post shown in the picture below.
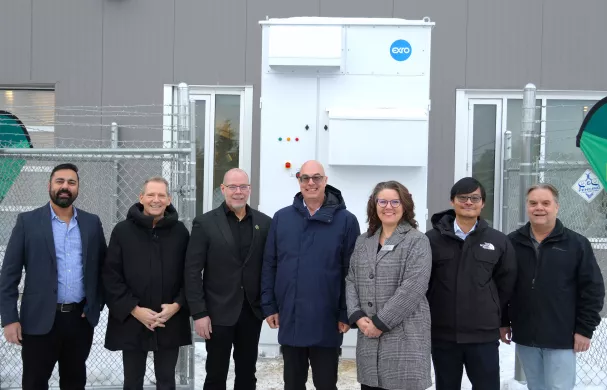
(506, 157)
(183, 140)
(191, 199)
(114, 137)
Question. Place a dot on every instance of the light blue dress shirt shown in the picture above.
(459, 232)
(306, 206)
(68, 250)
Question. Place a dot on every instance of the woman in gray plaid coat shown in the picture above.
(386, 294)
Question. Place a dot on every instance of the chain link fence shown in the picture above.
(555, 159)
(112, 171)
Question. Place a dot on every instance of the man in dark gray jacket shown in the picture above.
(558, 297)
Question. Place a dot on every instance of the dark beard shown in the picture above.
(63, 202)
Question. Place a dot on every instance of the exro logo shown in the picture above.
(400, 50)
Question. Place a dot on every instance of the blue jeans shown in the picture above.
(548, 369)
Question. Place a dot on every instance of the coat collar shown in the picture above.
(523, 234)
(47, 228)
(371, 243)
(226, 232)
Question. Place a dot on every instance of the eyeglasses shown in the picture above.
(317, 179)
(243, 187)
(473, 198)
(384, 203)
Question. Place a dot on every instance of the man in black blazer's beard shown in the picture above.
(226, 246)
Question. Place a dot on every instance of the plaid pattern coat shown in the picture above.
(390, 287)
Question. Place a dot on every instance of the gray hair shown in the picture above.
(155, 179)
(545, 186)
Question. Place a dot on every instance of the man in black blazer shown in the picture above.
(226, 246)
(62, 249)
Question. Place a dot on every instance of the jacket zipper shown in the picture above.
(538, 259)
(459, 266)
(538, 256)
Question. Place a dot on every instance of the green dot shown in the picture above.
(280, 138)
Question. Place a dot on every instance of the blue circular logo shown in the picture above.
(400, 50)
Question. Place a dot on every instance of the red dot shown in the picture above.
(296, 139)
(287, 165)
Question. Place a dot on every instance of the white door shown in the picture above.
(221, 121)
(484, 153)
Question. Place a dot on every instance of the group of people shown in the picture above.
(446, 296)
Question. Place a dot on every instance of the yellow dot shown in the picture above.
(288, 138)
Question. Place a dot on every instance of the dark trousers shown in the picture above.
(68, 343)
(481, 361)
(244, 336)
(365, 387)
(324, 363)
(135, 363)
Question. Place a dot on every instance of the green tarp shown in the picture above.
(13, 134)
(592, 139)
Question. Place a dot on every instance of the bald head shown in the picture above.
(237, 174)
(236, 188)
(312, 182)
(311, 168)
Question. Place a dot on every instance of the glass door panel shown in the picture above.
(227, 128)
(486, 129)
(200, 109)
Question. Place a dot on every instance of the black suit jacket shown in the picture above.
(32, 247)
(219, 292)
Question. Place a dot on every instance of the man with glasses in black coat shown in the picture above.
(226, 247)
(473, 276)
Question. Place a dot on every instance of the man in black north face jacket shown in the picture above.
(473, 275)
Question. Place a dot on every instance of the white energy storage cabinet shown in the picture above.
(352, 93)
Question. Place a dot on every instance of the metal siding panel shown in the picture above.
(16, 23)
(573, 45)
(210, 41)
(447, 73)
(504, 43)
(66, 49)
(137, 61)
(255, 13)
(357, 8)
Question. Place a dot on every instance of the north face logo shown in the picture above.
(487, 245)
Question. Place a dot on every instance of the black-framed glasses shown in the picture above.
(317, 179)
(243, 187)
(464, 198)
(384, 203)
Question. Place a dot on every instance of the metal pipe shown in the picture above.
(94, 151)
(526, 174)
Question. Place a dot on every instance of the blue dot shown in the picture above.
(400, 50)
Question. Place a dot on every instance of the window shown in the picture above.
(483, 122)
(35, 108)
(221, 118)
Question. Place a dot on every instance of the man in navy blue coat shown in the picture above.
(306, 259)
(62, 250)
